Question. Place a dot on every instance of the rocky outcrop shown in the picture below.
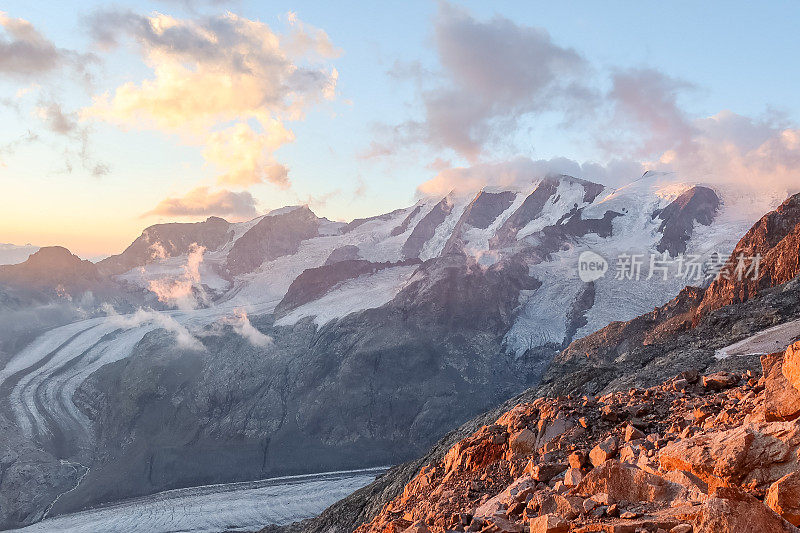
(426, 228)
(272, 237)
(168, 240)
(791, 366)
(782, 399)
(783, 497)
(698, 205)
(348, 252)
(776, 238)
(703, 458)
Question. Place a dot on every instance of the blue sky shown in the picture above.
(718, 55)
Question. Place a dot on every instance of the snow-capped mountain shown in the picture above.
(292, 344)
(300, 266)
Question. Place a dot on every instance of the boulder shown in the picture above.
(631, 433)
(567, 507)
(503, 525)
(572, 477)
(627, 482)
(720, 380)
(549, 523)
(604, 451)
(791, 365)
(544, 472)
(781, 399)
(751, 455)
(523, 442)
(577, 459)
(550, 430)
(732, 510)
(783, 497)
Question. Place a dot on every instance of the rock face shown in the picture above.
(791, 366)
(697, 205)
(32, 479)
(729, 470)
(776, 238)
(783, 497)
(313, 283)
(782, 399)
(272, 237)
(168, 240)
(734, 511)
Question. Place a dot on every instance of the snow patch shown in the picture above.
(772, 340)
(364, 292)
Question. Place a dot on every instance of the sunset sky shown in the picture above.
(119, 116)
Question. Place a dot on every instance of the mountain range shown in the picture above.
(213, 352)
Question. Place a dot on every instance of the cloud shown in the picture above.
(242, 326)
(493, 73)
(56, 119)
(184, 291)
(203, 201)
(10, 148)
(183, 337)
(25, 53)
(731, 149)
(726, 149)
(646, 114)
(226, 83)
(67, 125)
(245, 154)
(522, 171)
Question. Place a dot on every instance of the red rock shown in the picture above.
(505, 526)
(577, 459)
(627, 482)
(474, 453)
(791, 365)
(783, 497)
(720, 381)
(549, 523)
(523, 442)
(781, 399)
(567, 507)
(631, 433)
(572, 477)
(604, 451)
(734, 511)
(417, 527)
(752, 455)
(544, 472)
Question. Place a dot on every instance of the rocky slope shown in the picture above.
(707, 454)
(643, 352)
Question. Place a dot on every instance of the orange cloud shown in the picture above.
(203, 201)
(225, 72)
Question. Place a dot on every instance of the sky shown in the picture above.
(119, 116)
